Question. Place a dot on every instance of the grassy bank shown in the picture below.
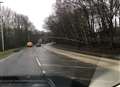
(8, 52)
(95, 51)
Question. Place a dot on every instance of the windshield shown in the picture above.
(60, 43)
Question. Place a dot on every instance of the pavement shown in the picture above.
(89, 70)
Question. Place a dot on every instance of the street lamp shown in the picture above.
(2, 34)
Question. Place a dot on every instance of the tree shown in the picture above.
(18, 29)
(89, 21)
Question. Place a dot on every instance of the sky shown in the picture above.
(36, 10)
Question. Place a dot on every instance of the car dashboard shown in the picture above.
(38, 81)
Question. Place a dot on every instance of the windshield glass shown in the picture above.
(60, 43)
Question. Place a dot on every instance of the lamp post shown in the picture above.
(2, 33)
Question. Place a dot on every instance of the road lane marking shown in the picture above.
(58, 73)
(43, 71)
(71, 77)
(40, 66)
(50, 82)
(38, 62)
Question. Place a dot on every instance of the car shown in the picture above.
(38, 45)
(29, 44)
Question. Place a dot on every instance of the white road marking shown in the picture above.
(43, 71)
(40, 65)
(38, 62)
(50, 82)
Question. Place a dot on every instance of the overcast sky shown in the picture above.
(36, 10)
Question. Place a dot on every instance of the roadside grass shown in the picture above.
(95, 51)
(8, 52)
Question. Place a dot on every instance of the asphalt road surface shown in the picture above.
(39, 61)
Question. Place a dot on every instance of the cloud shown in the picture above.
(36, 10)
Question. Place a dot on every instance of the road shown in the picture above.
(38, 60)
(107, 72)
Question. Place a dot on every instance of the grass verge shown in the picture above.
(101, 52)
(8, 52)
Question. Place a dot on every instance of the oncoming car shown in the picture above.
(29, 44)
